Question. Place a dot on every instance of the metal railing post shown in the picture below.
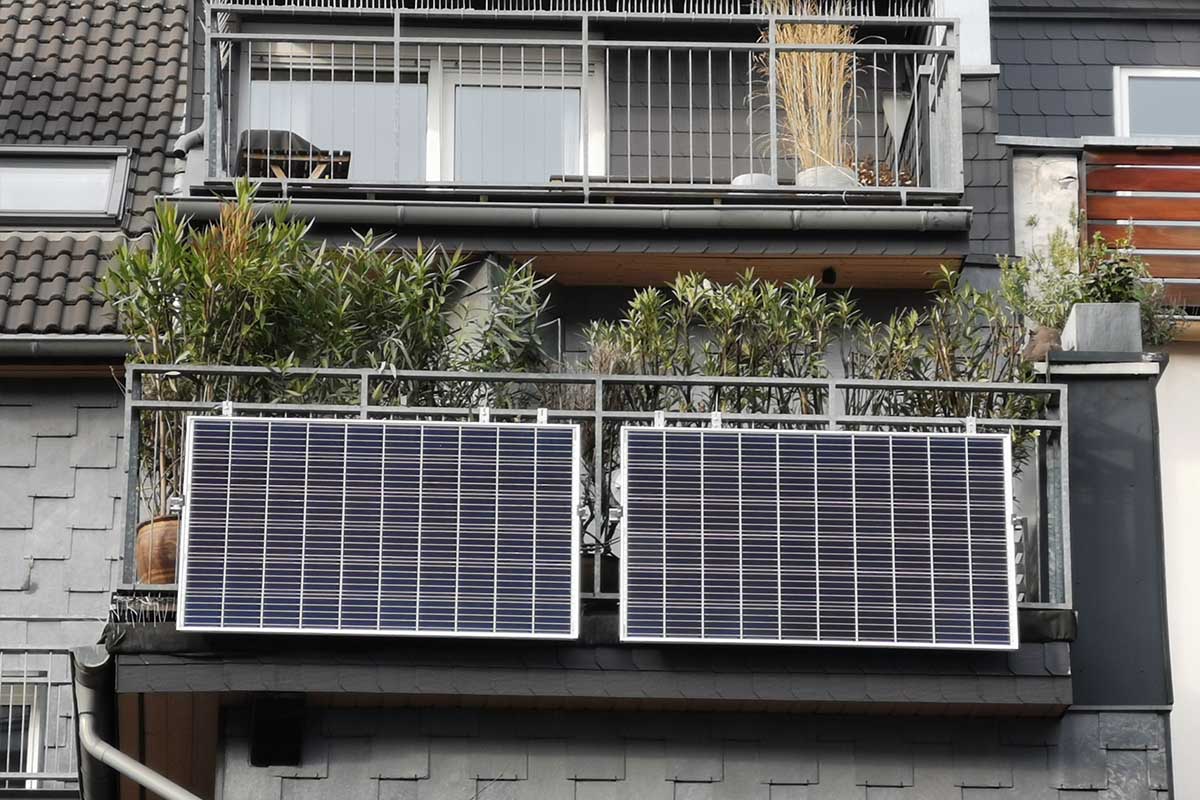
(212, 90)
(771, 97)
(133, 437)
(585, 155)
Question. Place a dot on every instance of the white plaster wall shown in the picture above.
(1045, 198)
(975, 37)
(1179, 427)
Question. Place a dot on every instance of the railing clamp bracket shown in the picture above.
(543, 416)
(969, 423)
(226, 408)
(715, 419)
(485, 414)
(660, 419)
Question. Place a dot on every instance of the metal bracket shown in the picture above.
(582, 510)
(226, 408)
(660, 419)
(485, 414)
(615, 513)
(969, 423)
(174, 504)
(543, 416)
(716, 419)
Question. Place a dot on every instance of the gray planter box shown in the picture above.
(1104, 328)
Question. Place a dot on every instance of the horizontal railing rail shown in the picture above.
(591, 115)
(37, 720)
(160, 397)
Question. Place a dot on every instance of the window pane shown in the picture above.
(55, 185)
(1164, 106)
(379, 126)
(515, 135)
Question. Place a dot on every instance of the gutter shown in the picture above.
(605, 217)
(114, 345)
(93, 688)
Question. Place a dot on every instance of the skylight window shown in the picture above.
(58, 183)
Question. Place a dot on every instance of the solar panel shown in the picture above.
(380, 527)
(804, 537)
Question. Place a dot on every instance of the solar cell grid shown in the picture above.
(845, 538)
(402, 528)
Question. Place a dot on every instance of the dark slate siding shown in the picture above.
(61, 514)
(466, 753)
(1056, 71)
(986, 170)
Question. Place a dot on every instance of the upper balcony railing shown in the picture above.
(37, 721)
(599, 107)
(160, 397)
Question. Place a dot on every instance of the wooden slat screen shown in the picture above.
(1155, 194)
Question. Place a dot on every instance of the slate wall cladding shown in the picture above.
(404, 753)
(986, 170)
(1056, 69)
(61, 514)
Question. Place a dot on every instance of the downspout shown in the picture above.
(93, 683)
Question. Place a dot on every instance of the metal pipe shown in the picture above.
(136, 771)
(368, 213)
(92, 671)
(65, 345)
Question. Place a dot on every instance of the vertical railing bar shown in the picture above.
(629, 114)
(771, 91)
(212, 49)
(732, 168)
(875, 109)
(917, 117)
(970, 538)
(711, 167)
(332, 90)
(649, 120)
(397, 113)
(691, 126)
(670, 119)
(750, 103)
(855, 167)
(26, 717)
(312, 103)
(896, 142)
(584, 69)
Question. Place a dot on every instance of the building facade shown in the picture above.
(616, 144)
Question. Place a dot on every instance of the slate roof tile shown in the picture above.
(85, 72)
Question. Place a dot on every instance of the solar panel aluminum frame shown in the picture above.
(576, 543)
(1012, 644)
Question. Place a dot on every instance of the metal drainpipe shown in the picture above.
(92, 671)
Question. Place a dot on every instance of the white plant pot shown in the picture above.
(827, 178)
(757, 180)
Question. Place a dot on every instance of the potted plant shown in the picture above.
(813, 92)
(257, 292)
(1073, 271)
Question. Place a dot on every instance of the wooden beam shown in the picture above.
(1143, 179)
(1151, 157)
(1107, 206)
(1153, 237)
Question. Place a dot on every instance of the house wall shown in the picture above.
(62, 481)
(407, 753)
(1180, 459)
(1056, 76)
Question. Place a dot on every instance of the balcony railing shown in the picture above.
(595, 109)
(37, 720)
(601, 404)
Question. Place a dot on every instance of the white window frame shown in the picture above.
(440, 103)
(116, 157)
(30, 695)
(1121, 76)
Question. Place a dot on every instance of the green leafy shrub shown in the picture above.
(1045, 285)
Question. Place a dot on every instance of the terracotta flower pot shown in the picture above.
(156, 548)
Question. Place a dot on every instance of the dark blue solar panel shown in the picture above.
(844, 538)
(380, 527)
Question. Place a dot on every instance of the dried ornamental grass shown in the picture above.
(813, 88)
